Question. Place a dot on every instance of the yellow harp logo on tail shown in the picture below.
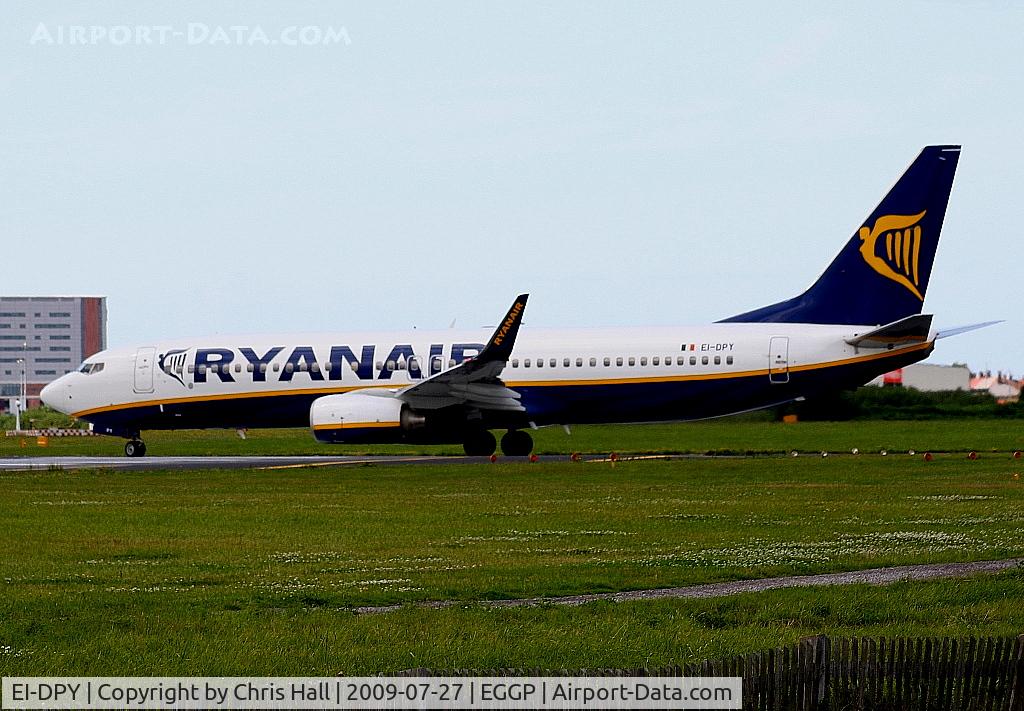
(899, 258)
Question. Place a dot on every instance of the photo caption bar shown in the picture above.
(551, 692)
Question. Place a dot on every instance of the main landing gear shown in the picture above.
(135, 447)
(516, 443)
(481, 443)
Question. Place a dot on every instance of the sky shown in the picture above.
(239, 167)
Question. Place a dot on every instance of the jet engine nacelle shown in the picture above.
(361, 416)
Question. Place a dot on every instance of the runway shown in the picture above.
(13, 464)
(221, 462)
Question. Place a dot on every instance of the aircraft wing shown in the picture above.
(475, 382)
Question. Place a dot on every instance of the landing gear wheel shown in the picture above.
(479, 443)
(516, 443)
(135, 448)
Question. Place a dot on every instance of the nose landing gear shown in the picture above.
(135, 448)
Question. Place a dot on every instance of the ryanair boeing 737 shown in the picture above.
(861, 318)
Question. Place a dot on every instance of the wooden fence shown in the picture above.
(951, 674)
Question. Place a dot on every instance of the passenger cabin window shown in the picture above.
(632, 361)
(263, 368)
(289, 368)
(618, 361)
(718, 360)
(526, 363)
(680, 360)
(593, 362)
(704, 360)
(250, 368)
(552, 362)
(540, 362)
(668, 360)
(728, 360)
(277, 367)
(607, 362)
(515, 362)
(579, 362)
(565, 362)
(656, 360)
(438, 363)
(390, 365)
(643, 360)
(693, 360)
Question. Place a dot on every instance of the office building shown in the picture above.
(44, 337)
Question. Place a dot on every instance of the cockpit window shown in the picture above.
(90, 368)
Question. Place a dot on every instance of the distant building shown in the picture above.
(44, 337)
(928, 377)
(1002, 387)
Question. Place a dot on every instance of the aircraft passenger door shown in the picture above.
(778, 359)
(144, 370)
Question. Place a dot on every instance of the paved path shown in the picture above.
(871, 576)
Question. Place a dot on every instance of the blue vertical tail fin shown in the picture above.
(881, 275)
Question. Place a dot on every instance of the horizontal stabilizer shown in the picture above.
(905, 332)
(947, 332)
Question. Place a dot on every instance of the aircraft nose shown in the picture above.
(49, 394)
(54, 395)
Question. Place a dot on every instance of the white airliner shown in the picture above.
(862, 317)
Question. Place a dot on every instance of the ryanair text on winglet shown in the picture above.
(510, 320)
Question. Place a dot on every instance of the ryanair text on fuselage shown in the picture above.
(217, 362)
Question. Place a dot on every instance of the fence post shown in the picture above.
(1017, 688)
(824, 664)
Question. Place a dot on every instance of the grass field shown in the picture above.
(256, 572)
(727, 435)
